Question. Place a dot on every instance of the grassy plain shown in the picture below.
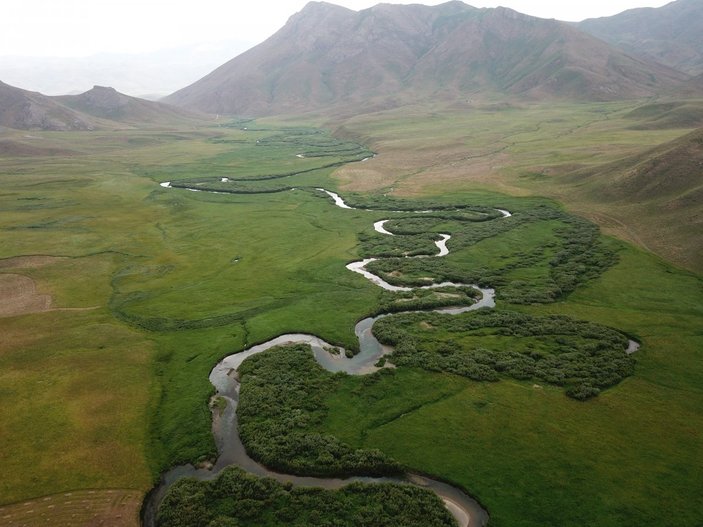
(150, 287)
(529, 454)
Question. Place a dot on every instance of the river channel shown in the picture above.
(467, 511)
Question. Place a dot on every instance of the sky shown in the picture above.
(79, 28)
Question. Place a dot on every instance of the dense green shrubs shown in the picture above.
(231, 187)
(573, 256)
(388, 246)
(282, 404)
(425, 299)
(487, 345)
(311, 142)
(236, 499)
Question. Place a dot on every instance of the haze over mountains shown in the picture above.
(386, 55)
(672, 34)
(148, 75)
(331, 57)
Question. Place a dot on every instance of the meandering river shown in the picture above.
(231, 451)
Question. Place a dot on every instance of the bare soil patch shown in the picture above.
(29, 262)
(18, 296)
(83, 508)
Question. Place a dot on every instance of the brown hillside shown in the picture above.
(25, 110)
(330, 56)
(672, 34)
(659, 192)
(108, 103)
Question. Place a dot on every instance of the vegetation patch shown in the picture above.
(236, 499)
(484, 346)
(280, 410)
(424, 299)
(538, 255)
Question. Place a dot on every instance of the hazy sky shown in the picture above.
(87, 27)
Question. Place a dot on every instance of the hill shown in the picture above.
(108, 103)
(99, 108)
(662, 188)
(26, 110)
(379, 57)
(672, 34)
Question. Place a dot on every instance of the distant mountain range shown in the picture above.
(330, 56)
(671, 35)
(99, 108)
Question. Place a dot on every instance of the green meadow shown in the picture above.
(107, 386)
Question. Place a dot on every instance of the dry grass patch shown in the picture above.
(18, 296)
(82, 508)
(29, 262)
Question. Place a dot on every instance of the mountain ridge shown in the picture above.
(26, 110)
(671, 34)
(107, 103)
(98, 108)
(331, 56)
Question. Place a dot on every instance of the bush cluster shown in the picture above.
(237, 499)
(581, 356)
(576, 255)
(282, 404)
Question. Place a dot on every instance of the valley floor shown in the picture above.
(120, 295)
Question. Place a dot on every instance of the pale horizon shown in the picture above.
(85, 28)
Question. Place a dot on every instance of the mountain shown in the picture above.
(328, 55)
(672, 34)
(661, 189)
(26, 110)
(99, 108)
(108, 103)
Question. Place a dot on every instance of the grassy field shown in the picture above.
(534, 457)
(127, 293)
(143, 289)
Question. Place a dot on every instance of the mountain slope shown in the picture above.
(328, 55)
(672, 34)
(25, 110)
(660, 191)
(108, 103)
